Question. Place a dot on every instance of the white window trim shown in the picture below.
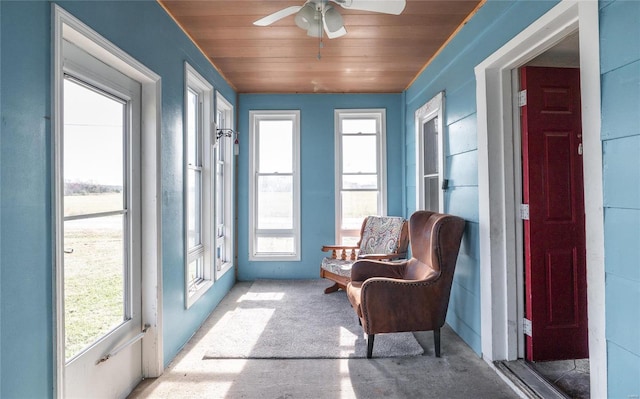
(254, 118)
(434, 108)
(66, 27)
(381, 159)
(195, 81)
(229, 188)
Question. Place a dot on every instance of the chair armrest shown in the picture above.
(384, 300)
(336, 247)
(343, 251)
(363, 269)
(383, 256)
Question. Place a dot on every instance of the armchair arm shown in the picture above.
(390, 305)
(343, 251)
(383, 256)
(363, 269)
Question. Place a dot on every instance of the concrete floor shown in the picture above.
(570, 376)
(459, 373)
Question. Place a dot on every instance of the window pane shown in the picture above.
(431, 193)
(194, 185)
(359, 126)
(275, 202)
(356, 205)
(275, 147)
(360, 182)
(350, 240)
(275, 245)
(192, 128)
(430, 150)
(359, 154)
(93, 151)
(196, 273)
(221, 256)
(220, 193)
(94, 280)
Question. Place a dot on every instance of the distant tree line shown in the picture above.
(85, 188)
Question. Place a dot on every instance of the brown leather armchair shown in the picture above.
(411, 295)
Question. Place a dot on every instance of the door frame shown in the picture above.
(66, 26)
(498, 183)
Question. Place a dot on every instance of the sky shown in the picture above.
(93, 136)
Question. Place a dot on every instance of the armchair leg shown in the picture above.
(331, 289)
(370, 338)
(436, 341)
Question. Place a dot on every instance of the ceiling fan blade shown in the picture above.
(384, 6)
(276, 16)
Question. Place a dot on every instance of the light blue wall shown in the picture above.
(1, 212)
(317, 173)
(25, 255)
(452, 72)
(145, 31)
(620, 69)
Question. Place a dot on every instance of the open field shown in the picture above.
(93, 272)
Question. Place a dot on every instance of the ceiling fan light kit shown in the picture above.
(316, 15)
(333, 21)
(305, 17)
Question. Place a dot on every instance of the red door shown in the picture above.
(555, 270)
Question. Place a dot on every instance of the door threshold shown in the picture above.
(528, 380)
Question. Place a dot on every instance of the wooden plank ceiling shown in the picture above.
(379, 54)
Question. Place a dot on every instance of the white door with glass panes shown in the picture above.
(360, 170)
(429, 155)
(98, 180)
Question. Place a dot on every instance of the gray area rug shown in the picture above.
(295, 319)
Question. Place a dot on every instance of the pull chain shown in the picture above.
(321, 43)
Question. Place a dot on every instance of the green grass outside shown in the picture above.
(93, 273)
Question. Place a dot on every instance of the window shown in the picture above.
(274, 190)
(197, 155)
(360, 170)
(223, 185)
(429, 155)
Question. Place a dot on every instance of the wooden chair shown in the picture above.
(412, 295)
(381, 238)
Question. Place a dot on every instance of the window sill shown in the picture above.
(193, 296)
(275, 258)
(224, 269)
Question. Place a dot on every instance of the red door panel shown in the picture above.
(555, 270)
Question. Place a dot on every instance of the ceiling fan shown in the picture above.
(316, 15)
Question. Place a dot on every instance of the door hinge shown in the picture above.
(580, 149)
(522, 98)
(524, 211)
(526, 327)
